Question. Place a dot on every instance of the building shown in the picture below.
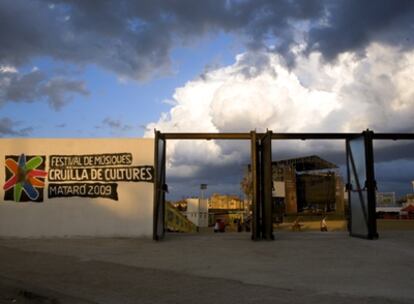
(307, 184)
(410, 199)
(197, 211)
(227, 208)
(385, 199)
(219, 201)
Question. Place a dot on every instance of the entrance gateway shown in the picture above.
(361, 184)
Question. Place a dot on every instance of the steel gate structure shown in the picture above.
(361, 184)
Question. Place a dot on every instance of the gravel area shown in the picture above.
(301, 267)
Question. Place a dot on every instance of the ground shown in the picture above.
(298, 267)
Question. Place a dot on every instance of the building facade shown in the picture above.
(197, 211)
(310, 184)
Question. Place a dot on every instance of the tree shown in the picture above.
(246, 185)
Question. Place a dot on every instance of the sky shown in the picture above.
(120, 68)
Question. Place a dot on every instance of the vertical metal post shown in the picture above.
(370, 185)
(156, 187)
(164, 188)
(348, 185)
(160, 187)
(202, 188)
(255, 188)
(266, 186)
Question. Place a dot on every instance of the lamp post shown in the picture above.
(203, 187)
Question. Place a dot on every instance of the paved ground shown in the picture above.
(302, 267)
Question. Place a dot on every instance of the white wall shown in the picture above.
(131, 215)
(197, 211)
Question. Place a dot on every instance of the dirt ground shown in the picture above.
(341, 225)
(298, 267)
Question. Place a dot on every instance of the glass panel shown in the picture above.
(358, 195)
(358, 221)
(357, 146)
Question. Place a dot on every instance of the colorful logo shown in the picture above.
(23, 178)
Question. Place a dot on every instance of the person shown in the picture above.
(222, 226)
(239, 226)
(296, 226)
(216, 226)
(324, 226)
(247, 224)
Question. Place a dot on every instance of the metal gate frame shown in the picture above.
(256, 139)
(368, 186)
(261, 170)
(160, 187)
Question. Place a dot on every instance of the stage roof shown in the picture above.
(308, 163)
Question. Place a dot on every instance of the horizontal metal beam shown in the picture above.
(305, 136)
(284, 136)
(394, 136)
(206, 136)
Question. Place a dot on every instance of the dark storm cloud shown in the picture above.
(134, 38)
(394, 171)
(8, 128)
(209, 174)
(223, 179)
(35, 85)
(351, 25)
(395, 150)
(384, 151)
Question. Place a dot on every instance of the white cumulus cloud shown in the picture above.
(260, 92)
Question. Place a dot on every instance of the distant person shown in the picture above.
(324, 226)
(247, 223)
(222, 226)
(296, 226)
(239, 226)
(216, 226)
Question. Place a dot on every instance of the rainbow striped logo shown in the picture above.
(25, 176)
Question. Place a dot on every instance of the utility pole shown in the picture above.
(203, 187)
